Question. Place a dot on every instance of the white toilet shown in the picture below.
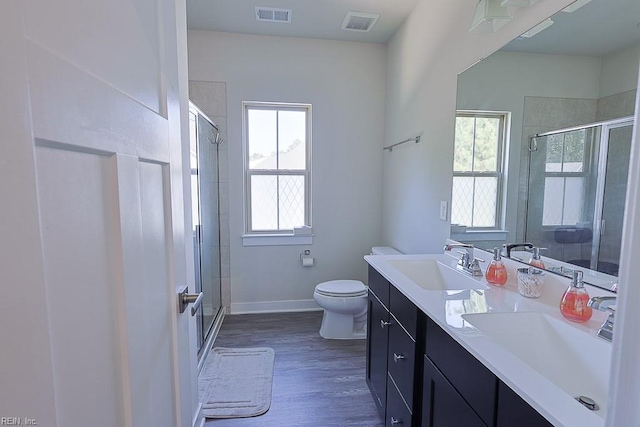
(345, 305)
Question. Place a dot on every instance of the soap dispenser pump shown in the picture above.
(497, 272)
(574, 304)
(535, 260)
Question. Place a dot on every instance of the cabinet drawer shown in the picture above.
(442, 405)
(398, 415)
(401, 362)
(472, 380)
(403, 310)
(379, 286)
(512, 410)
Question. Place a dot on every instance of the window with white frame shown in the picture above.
(277, 147)
(478, 167)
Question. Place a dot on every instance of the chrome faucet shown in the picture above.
(508, 247)
(604, 304)
(467, 262)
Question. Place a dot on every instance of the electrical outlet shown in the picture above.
(443, 210)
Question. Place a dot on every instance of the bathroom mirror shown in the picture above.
(543, 133)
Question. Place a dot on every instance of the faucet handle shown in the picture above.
(475, 267)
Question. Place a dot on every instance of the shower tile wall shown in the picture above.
(543, 114)
(615, 106)
(211, 98)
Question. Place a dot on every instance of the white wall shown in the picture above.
(620, 71)
(424, 58)
(501, 82)
(345, 83)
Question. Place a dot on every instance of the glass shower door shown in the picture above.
(206, 223)
(577, 191)
(560, 205)
(615, 153)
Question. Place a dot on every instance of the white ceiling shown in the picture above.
(310, 18)
(599, 28)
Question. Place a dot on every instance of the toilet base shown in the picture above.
(338, 326)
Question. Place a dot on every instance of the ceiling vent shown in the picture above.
(360, 21)
(270, 14)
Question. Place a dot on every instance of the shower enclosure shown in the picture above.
(205, 140)
(576, 193)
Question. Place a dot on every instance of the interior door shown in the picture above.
(92, 218)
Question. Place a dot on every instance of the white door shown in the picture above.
(92, 245)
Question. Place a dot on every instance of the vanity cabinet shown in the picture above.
(468, 377)
(512, 410)
(419, 375)
(394, 354)
(442, 405)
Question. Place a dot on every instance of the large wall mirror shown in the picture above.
(543, 134)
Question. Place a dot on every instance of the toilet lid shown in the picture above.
(342, 288)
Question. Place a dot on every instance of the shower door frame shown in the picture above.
(208, 332)
(598, 226)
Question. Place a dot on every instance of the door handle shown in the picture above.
(383, 323)
(184, 299)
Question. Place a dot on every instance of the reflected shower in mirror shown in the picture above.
(554, 173)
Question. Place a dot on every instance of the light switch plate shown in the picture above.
(443, 210)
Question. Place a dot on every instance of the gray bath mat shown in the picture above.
(236, 382)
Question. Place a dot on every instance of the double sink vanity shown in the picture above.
(448, 349)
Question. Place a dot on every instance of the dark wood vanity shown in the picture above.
(419, 375)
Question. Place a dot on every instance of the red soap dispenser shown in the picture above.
(574, 304)
(497, 272)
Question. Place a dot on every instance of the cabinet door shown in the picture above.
(377, 340)
(472, 380)
(512, 410)
(442, 406)
(398, 414)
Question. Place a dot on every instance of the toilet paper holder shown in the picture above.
(306, 259)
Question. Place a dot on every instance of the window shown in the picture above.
(478, 169)
(564, 178)
(277, 145)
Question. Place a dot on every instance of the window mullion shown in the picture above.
(473, 146)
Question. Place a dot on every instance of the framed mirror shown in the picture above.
(543, 134)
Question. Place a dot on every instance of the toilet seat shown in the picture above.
(342, 288)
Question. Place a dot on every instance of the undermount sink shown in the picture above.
(572, 359)
(432, 274)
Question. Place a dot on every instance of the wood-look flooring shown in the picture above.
(316, 382)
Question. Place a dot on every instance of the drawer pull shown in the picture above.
(383, 323)
(397, 357)
(395, 421)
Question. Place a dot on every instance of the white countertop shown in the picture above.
(446, 308)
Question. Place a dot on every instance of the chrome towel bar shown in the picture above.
(390, 147)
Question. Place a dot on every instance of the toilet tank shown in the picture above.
(384, 250)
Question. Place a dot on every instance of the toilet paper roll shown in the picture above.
(307, 261)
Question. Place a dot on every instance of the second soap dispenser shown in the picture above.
(535, 260)
(574, 304)
(497, 272)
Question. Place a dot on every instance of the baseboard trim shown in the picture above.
(274, 306)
